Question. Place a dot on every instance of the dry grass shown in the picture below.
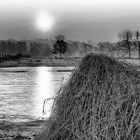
(101, 101)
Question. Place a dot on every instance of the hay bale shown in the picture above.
(101, 101)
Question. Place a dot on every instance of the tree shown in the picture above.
(3, 47)
(125, 40)
(137, 41)
(36, 49)
(60, 45)
(22, 47)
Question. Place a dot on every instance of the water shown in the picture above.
(23, 90)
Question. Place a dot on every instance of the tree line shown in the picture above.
(60, 47)
(129, 40)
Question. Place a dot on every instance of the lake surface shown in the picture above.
(24, 89)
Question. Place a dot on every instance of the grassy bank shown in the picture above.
(41, 62)
(54, 62)
(20, 130)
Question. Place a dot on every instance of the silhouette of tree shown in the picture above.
(60, 45)
(137, 41)
(125, 40)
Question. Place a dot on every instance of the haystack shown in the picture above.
(101, 101)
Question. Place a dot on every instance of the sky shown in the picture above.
(83, 20)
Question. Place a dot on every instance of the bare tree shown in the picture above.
(125, 40)
(137, 40)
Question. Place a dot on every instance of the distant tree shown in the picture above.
(12, 47)
(137, 41)
(125, 40)
(3, 47)
(22, 47)
(18, 56)
(36, 49)
(60, 45)
(104, 46)
(47, 50)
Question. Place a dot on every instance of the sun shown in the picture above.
(44, 21)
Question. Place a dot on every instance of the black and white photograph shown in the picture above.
(69, 69)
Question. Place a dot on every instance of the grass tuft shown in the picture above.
(101, 101)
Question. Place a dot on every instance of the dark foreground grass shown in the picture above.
(101, 101)
(20, 130)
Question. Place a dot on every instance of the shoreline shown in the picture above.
(29, 129)
(38, 62)
(54, 62)
(21, 130)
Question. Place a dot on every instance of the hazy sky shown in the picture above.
(98, 20)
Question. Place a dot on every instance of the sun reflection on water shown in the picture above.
(44, 90)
